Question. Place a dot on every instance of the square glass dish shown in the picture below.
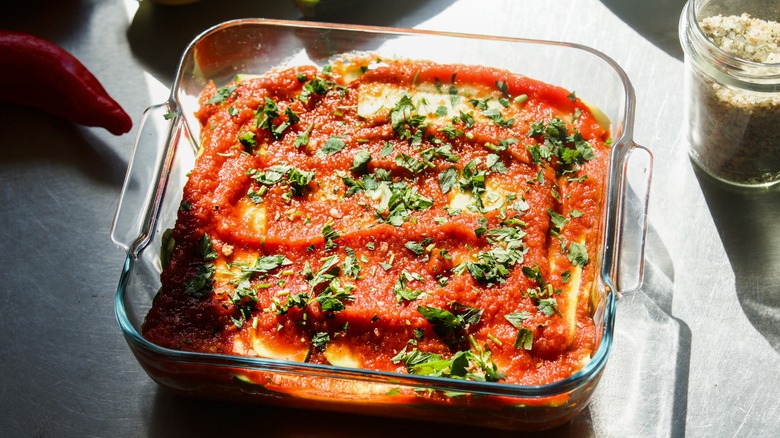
(165, 151)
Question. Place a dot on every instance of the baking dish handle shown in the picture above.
(145, 178)
(632, 231)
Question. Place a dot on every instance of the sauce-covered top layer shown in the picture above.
(390, 215)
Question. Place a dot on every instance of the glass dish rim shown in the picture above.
(606, 271)
(628, 112)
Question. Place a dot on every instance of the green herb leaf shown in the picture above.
(207, 252)
(481, 230)
(578, 254)
(517, 318)
(334, 297)
(350, 267)
(402, 202)
(330, 235)
(467, 119)
(525, 339)
(449, 326)
(410, 163)
(548, 306)
(492, 266)
(557, 219)
(534, 274)
(300, 301)
(447, 179)
(266, 264)
(320, 340)
(387, 149)
(360, 162)
(303, 138)
(493, 162)
(202, 283)
(331, 146)
(444, 151)
(222, 94)
(327, 272)
(402, 291)
(418, 248)
(299, 180)
(248, 141)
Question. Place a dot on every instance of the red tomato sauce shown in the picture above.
(311, 231)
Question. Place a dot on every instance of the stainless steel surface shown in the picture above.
(697, 349)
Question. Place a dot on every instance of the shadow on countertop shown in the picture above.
(747, 222)
(29, 133)
(54, 20)
(658, 285)
(158, 34)
(182, 416)
(655, 20)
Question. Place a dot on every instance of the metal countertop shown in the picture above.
(697, 349)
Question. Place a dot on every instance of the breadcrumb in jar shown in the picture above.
(745, 37)
(733, 128)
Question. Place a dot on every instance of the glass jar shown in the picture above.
(732, 88)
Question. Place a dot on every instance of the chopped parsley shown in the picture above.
(222, 94)
(331, 146)
(387, 149)
(517, 318)
(418, 248)
(360, 162)
(299, 301)
(472, 180)
(327, 272)
(557, 145)
(492, 267)
(447, 179)
(303, 138)
(202, 283)
(474, 364)
(410, 163)
(497, 118)
(330, 235)
(297, 179)
(558, 220)
(451, 326)
(444, 151)
(334, 297)
(248, 141)
(207, 251)
(502, 145)
(578, 254)
(316, 86)
(350, 267)
(402, 202)
(544, 294)
(320, 340)
(525, 339)
(266, 114)
(402, 291)
(404, 119)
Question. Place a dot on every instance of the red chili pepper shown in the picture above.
(40, 74)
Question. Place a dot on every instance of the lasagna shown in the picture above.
(390, 215)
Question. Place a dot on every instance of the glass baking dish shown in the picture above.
(165, 151)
